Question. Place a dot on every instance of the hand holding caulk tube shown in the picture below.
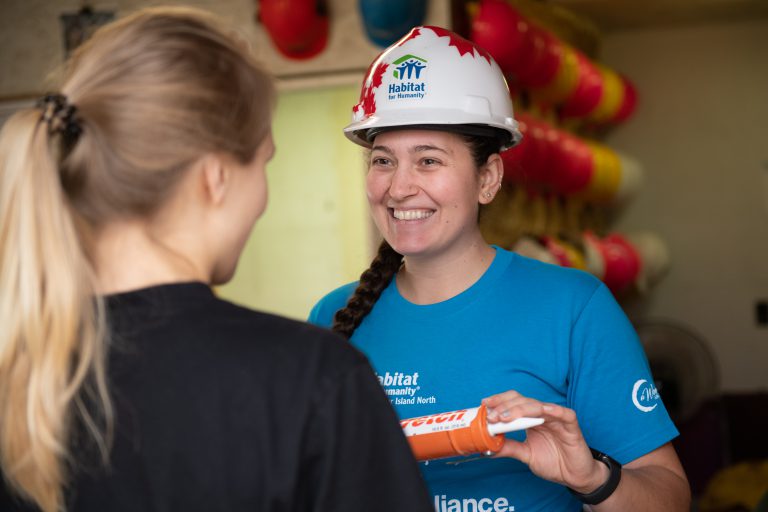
(557, 450)
(461, 432)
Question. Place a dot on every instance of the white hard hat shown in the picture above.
(434, 78)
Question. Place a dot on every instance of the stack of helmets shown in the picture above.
(554, 72)
(564, 84)
(554, 160)
(635, 261)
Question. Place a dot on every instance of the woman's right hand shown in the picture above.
(555, 450)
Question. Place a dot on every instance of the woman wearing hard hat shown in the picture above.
(450, 322)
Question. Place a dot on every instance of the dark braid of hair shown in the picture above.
(372, 282)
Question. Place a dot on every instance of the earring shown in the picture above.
(487, 195)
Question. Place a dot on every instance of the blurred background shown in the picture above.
(645, 162)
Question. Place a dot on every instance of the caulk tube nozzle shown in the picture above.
(503, 427)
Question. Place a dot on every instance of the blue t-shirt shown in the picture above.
(550, 333)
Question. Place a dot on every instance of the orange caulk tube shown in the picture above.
(462, 432)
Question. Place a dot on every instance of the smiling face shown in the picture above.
(424, 191)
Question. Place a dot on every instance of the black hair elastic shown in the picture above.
(61, 117)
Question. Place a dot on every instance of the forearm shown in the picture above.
(648, 488)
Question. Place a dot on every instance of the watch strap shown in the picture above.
(604, 491)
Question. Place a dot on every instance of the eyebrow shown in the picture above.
(416, 149)
(385, 149)
(427, 147)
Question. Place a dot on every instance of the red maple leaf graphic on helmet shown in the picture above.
(378, 74)
(460, 43)
(411, 35)
(368, 94)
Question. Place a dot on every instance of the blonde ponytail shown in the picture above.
(153, 93)
(51, 338)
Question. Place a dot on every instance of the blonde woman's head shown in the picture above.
(152, 94)
(155, 91)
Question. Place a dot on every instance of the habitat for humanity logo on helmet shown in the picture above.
(409, 70)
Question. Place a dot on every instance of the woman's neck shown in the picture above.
(128, 256)
(432, 279)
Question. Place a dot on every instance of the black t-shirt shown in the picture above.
(219, 407)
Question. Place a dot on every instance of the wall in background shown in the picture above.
(31, 41)
(700, 133)
(314, 235)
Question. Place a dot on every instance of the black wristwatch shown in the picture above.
(604, 491)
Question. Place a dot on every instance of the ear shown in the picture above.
(216, 178)
(491, 174)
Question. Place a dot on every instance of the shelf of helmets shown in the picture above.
(562, 187)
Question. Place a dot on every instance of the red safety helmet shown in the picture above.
(501, 30)
(298, 28)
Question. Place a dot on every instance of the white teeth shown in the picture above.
(412, 214)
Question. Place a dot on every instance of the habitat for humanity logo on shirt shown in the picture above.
(409, 70)
(404, 388)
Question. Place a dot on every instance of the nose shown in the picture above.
(403, 184)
